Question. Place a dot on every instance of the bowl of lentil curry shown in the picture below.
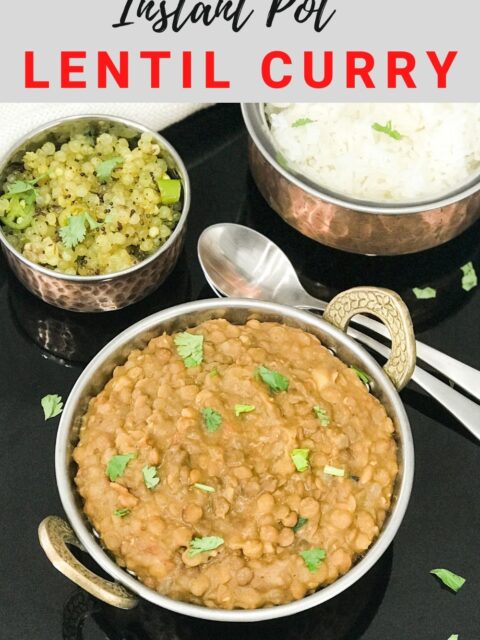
(92, 211)
(225, 459)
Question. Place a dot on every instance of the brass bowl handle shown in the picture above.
(388, 307)
(54, 535)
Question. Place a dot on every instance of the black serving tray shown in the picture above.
(43, 350)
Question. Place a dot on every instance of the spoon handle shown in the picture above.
(462, 374)
(466, 411)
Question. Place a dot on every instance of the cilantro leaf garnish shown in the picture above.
(23, 187)
(204, 487)
(207, 543)
(469, 279)
(214, 373)
(313, 558)
(190, 348)
(243, 408)
(276, 381)
(387, 129)
(117, 464)
(363, 377)
(52, 405)
(150, 477)
(301, 522)
(427, 293)
(211, 419)
(75, 230)
(334, 471)
(20, 186)
(92, 223)
(105, 168)
(300, 459)
(301, 122)
(322, 415)
(449, 579)
(121, 513)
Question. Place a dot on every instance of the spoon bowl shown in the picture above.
(239, 262)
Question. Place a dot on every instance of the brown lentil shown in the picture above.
(152, 406)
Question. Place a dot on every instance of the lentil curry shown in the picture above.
(236, 466)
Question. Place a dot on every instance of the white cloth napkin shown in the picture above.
(17, 119)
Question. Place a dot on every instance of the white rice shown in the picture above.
(439, 150)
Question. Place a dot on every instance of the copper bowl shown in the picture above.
(354, 225)
(103, 292)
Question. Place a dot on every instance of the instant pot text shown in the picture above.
(162, 16)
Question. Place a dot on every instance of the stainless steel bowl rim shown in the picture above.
(260, 134)
(108, 118)
(86, 537)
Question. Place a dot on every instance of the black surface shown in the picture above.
(43, 350)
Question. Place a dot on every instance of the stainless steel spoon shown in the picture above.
(240, 262)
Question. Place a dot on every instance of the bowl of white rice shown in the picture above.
(372, 178)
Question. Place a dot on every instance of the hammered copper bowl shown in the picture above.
(55, 534)
(103, 292)
(348, 224)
